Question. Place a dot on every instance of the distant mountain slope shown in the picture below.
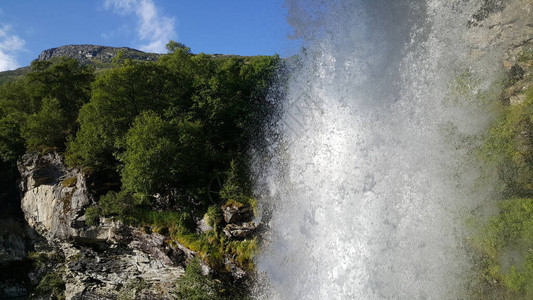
(93, 53)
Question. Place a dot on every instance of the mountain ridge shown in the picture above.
(88, 53)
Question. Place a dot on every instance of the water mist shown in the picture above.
(370, 172)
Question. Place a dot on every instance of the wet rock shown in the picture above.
(235, 231)
(500, 25)
(236, 272)
(516, 73)
(155, 245)
(235, 214)
(203, 226)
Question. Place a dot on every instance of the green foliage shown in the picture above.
(214, 216)
(92, 216)
(117, 204)
(15, 106)
(236, 190)
(40, 108)
(52, 284)
(47, 128)
(173, 47)
(196, 286)
(69, 182)
(161, 156)
(505, 245)
(119, 95)
(509, 147)
(40, 259)
(12, 75)
(64, 79)
(163, 221)
(206, 245)
(232, 188)
(244, 252)
(527, 54)
(166, 128)
(11, 143)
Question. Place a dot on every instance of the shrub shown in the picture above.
(207, 248)
(505, 242)
(509, 147)
(509, 234)
(244, 252)
(116, 204)
(92, 216)
(180, 222)
(69, 182)
(214, 216)
(162, 155)
(194, 285)
(52, 284)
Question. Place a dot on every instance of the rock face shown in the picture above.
(238, 222)
(16, 239)
(234, 214)
(98, 262)
(105, 270)
(501, 24)
(505, 25)
(90, 53)
(54, 197)
(241, 231)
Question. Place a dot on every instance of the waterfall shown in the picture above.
(370, 174)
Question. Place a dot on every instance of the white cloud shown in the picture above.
(153, 28)
(9, 46)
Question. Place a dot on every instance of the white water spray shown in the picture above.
(370, 179)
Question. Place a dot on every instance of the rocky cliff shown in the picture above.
(502, 25)
(65, 256)
(93, 262)
(94, 53)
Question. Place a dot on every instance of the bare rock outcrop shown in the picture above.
(91, 53)
(54, 197)
(99, 262)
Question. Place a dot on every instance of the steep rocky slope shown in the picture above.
(95, 262)
(107, 260)
(95, 53)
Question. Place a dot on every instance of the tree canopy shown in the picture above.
(164, 127)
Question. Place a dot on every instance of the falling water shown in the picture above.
(370, 176)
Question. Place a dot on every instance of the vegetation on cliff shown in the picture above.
(504, 243)
(153, 135)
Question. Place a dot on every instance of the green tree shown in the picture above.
(119, 95)
(162, 156)
(11, 143)
(46, 129)
(43, 105)
(16, 99)
(64, 79)
(15, 106)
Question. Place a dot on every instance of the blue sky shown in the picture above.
(244, 27)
